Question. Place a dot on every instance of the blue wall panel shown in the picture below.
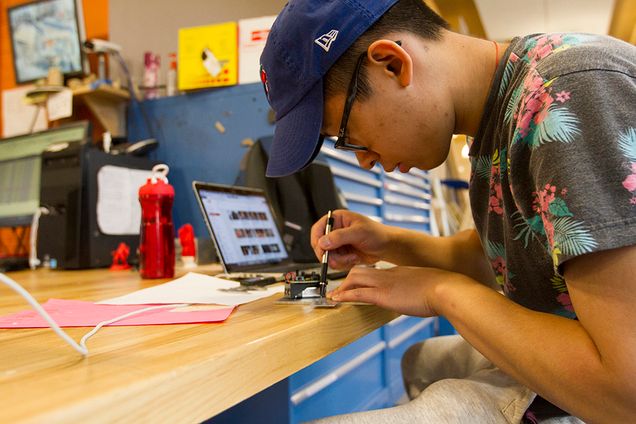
(192, 142)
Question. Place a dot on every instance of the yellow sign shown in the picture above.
(208, 56)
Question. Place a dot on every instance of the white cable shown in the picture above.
(33, 238)
(119, 318)
(25, 294)
(81, 348)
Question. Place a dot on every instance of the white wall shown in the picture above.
(504, 20)
(152, 25)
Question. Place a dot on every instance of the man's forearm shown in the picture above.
(552, 355)
(460, 253)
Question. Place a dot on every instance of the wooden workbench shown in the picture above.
(167, 373)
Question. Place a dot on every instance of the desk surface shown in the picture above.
(169, 373)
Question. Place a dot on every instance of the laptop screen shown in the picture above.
(242, 226)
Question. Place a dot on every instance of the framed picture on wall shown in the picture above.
(45, 34)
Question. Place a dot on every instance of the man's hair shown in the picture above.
(405, 16)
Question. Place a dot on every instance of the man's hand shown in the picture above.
(407, 290)
(354, 239)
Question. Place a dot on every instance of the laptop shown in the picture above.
(243, 227)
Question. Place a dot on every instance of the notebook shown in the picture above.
(244, 230)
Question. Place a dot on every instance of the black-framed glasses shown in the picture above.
(352, 92)
(342, 141)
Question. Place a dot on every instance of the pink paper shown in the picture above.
(75, 313)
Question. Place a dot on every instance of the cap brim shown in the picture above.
(297, 135)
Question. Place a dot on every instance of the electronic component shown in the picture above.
(302, 285)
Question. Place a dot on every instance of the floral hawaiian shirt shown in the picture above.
(554, 162)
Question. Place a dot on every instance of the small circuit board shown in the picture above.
(305, 288)
(302, 285)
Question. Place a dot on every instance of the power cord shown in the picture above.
(81, 347)
(33, 239)
(40, 310)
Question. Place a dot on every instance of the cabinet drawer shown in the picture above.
(406, 211)
(363, 208)
(399, 187)
(420, 181)
(351, 379)
(334, 361)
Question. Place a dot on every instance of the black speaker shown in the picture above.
(69, 235)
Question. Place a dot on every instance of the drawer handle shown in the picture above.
(363, 199)
(398, 320)
(408, 333)
(408, 190)
(413, 181)
(313, 388)
(394, 200)
(407, 218)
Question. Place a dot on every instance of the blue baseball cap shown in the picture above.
(306, 39)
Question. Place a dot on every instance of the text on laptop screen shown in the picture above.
(245, 230)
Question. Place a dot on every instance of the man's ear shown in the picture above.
(396, 62)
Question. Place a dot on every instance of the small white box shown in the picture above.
(253, 34)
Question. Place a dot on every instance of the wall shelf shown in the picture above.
(107, 104)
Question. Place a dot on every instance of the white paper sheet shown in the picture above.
(60, 105)
(17, 115)
(194, 288)
(118, 209)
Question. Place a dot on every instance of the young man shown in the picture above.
(553, 195)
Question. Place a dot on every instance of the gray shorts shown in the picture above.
(448, 381)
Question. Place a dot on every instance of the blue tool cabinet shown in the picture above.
(361, 376)
(201, 137)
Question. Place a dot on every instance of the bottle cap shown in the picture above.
(156, 188)
(158, 183)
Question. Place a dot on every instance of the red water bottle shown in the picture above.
(156, 246)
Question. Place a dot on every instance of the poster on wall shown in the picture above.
(208, 56)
